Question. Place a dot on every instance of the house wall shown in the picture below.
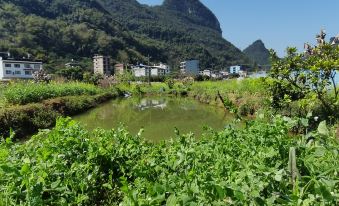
(12, 69)
(119, 69)
(158, 72)
(102, 65)
(190, 67)
(140, 72)
(235, 69)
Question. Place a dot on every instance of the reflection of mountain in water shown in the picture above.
(152, 103)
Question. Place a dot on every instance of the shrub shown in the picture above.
(309, 75)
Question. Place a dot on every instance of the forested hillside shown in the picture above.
(258, 53)
(58, 30)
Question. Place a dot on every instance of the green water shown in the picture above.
(158, 116)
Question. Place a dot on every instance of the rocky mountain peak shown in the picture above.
(258, 53)
(195, 11)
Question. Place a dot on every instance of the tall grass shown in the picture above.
(27, 92)
(230, 86)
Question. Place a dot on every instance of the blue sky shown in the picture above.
(279, 23)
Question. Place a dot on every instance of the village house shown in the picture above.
(102, 65)
(18, 68)
(190, 67)
(206, 72)
(119, 69)
(156, 70)
(235, 69)
(224, 74)
(209, 73)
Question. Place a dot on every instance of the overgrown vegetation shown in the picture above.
(26, 119)
(69, 165)
(28, 92)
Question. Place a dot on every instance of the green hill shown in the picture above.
(258, 53)
(59, 30)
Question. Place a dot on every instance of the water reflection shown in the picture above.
(152, 103)
(158, 116)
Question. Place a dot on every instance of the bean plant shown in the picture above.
(68, 165)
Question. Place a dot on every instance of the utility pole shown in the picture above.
(149, 70)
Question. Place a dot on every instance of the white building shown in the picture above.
(102, 65)
(242, 73)
(206, 72)
(224, 73)
(140, 71)
(18, 69)
(156, 70)
(190, 67)
(235, 69)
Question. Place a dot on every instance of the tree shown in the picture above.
(71, 73)
(306, 76)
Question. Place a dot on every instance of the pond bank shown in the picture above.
(28, 119)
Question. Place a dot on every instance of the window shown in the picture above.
(8, 65)
(28, 72)
(8, 72)
(17, 72)
(17, 65)
(36, 66)
(27, 66)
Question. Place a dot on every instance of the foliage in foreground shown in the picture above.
(307, 79)
(28, 92)
(69, 165)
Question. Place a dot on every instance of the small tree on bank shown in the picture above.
(308, 76)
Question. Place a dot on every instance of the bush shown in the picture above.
(306, 76)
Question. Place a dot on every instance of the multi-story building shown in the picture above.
(102, 65)
(190, 67)
(18, 69)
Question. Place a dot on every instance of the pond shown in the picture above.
(158, 116)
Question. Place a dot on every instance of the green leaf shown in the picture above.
(220, 191)
(239, 195)
(24, 169)
(325, 193)
(278, 176)
(55, 184)
(171, 201)
(322, 128)
(107, 185)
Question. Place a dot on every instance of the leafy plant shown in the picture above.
(68, 165)
(308, 75)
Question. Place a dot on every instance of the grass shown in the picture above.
(245, 86)
(28, 92)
